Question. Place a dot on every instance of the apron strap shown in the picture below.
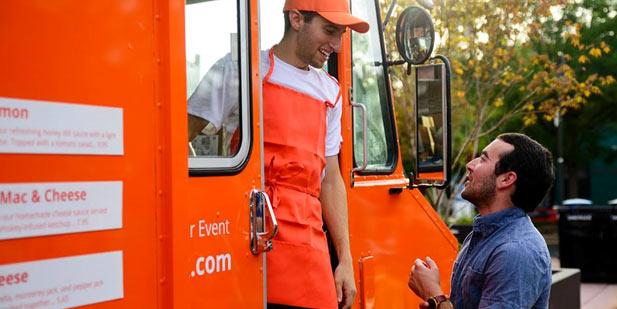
(271, 66)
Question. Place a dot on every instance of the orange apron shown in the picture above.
(298, 267)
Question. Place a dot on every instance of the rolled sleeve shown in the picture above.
(333, 134)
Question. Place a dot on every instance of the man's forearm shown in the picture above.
(334, 204)
(196, 124)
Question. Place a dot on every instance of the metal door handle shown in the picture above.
(261, 241)
(364, 139)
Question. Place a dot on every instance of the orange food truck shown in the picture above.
(102, 203)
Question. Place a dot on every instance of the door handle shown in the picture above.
(261, 240)
(364, 138)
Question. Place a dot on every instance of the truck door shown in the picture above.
(219, 219)
(389, 225)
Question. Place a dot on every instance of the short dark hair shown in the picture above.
(533, 165)
(308, 17)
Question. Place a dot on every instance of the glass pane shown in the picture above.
(213, 79)
(271, 22)
(404, 97)
(430, 120)
(369, 89)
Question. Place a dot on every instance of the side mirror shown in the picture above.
(415, 35)
(415, 39)
(433, 147)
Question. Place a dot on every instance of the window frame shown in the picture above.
(387, 111)
(217, 166)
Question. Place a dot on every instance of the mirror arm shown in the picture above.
(395, 62)
(389, 14)
(423, 186)
(390, 63)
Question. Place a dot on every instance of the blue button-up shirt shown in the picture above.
(504, 263)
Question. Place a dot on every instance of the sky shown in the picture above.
(209, 26)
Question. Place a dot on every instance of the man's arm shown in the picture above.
(334, 204)
(215, 98)
(196, 124)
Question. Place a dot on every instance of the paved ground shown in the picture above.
(596, 295)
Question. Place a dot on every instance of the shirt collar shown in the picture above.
(486, 225)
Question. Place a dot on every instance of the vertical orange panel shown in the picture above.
(95, 53)
(200, 203)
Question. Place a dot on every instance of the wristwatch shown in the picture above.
(435, 302)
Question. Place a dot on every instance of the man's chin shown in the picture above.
(467, 196)
(318, 65)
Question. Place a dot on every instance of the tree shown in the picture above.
(498, 73)
(588, 44)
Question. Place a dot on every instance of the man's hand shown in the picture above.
(424, 278)
(334, 205)
(345, 285)
(196, 124)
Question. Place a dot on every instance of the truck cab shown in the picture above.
(103, 203)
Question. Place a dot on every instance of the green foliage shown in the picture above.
(507, 68)
(586, 129)
(464, 221)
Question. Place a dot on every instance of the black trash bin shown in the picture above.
(613, 246)
(587, 240)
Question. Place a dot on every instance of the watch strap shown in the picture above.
(434, 301)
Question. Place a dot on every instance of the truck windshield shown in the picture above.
(370, 88)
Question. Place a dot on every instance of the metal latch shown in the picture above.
(261, 240)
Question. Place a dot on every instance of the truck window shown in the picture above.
(217, 83)
(271, 23)
(370, 88)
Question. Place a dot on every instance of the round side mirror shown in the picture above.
(415, 35)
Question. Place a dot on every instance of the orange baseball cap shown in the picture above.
(334, 11)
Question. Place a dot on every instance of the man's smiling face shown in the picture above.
(317, 40)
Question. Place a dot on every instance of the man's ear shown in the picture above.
(296, 19)
(506, 180)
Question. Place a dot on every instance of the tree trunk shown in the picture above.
(572, 172)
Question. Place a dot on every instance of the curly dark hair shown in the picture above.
(533, 165)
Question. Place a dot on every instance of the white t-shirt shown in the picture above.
(216, 96)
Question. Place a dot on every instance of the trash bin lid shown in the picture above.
(576, 201)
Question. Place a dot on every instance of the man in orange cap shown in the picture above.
(299, 271)
(302, 136)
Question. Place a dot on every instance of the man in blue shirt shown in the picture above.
(504, 261)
